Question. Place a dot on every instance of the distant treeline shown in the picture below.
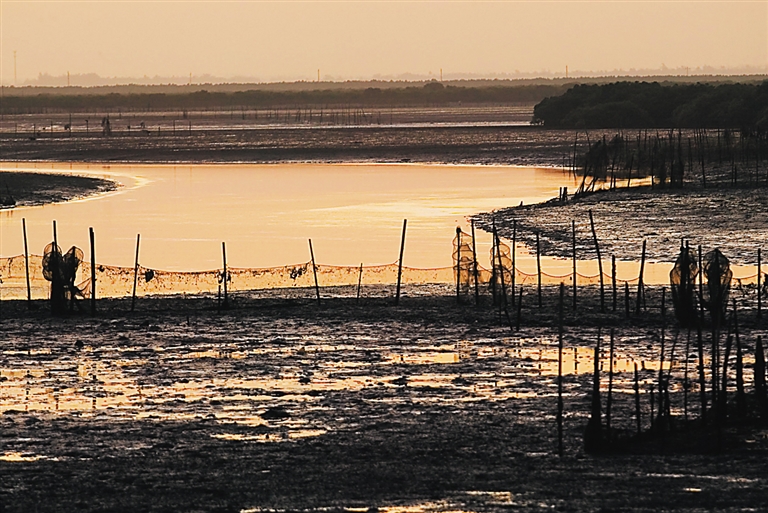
(433, 93)
(653, 105)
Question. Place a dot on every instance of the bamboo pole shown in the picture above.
(400, 263)
(458, 264)
(759, 290)
(514, 263)
(26, 262)
(314, 270)
(225, 275)
(560, 373)
(702, 377)
(613, 281)
(640, 285)
(135, 272)
(474, 265)
(609, 402)
(538, 267)
(599, 262)
(55, 285)
(637, 401)
(93, 271)
(573, 251)
(359, 281)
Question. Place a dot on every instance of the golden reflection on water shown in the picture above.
(266, 213)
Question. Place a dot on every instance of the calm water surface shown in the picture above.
(265, 213)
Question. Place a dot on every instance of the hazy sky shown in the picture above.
(361, 39)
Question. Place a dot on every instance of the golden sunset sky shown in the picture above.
(290, 40)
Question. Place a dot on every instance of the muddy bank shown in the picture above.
(285, 403)
(732, 219)
(27, 189)
(518, 145)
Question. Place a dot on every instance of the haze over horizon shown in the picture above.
(360, 40)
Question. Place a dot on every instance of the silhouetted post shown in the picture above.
(701, 287)
(759, 290)
(685, 374)
(314, 270)
(599, 263)
(759, 371)
(538, 266)
(560, 373)
(93, 271)
(626, 299)
(359, 280)
(609, 402)
(400, 263)
(474, 265)
(573, 252)
(514, 263)
(135, 272)
(55, 285)
(702, 378)
(637, 400)
(26, 262)
(640, 285)
(613, 281)
(225, 275)
(458, 264)
(661, 355)
(741, 406)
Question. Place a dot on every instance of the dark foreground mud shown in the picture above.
(288, 404)
(26, 189)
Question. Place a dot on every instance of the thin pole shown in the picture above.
(573, 246)
(400, 263)
(599, 263)
(685, 374)
(458, 263)
(637, 400)
(135, 272)
(514, 268)
(314, 269)
(93, 271)
(359, 280)
(701, 286)
(26, 262)
(560, 374)
(538, 266)
(474, 260)
(759, 291)
(225, 276)
(55, 274)
(640, 281)
(613, 281)
(609, 402)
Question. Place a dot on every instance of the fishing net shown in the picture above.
(683, 280)
(61, 271)
(716, 268)
(463, 262)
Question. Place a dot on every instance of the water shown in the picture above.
(265, 213)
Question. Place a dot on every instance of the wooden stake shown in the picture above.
(26, 262)
(135, 272)
(626, 299)
(702, 378)
(314, 270)
(359, 280)
(474, 265)
(759, 290)
(560, 374)
(458, 264)
(613, 281)
(93, 272)
(701, 287)
(225, 275)
(685, 374)
(573, 251)
(640, 286)
(599, 263)
(514, 268)
(400, 263)
(759, 377)
(637, 400)
(609, 402)
(538, 266)
(55, 285)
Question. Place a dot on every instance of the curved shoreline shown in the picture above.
(30, 189)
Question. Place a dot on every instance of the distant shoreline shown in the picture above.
(28, 189)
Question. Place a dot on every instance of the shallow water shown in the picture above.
(266, 213)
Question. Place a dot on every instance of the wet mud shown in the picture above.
(344, 405)
(27, 189)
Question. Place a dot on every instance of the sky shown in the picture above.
(292, 39)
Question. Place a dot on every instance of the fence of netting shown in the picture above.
(116, 281)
